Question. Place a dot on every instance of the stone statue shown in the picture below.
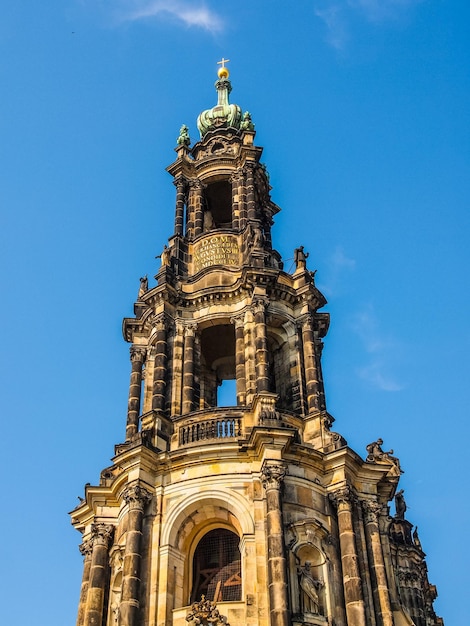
(165, 255)
(400, 505)
(375, 453)
(209, 223)
(183, 138)
(416, 540)
(310, 587)
(300, 258)
(144, 286)
(257, 237)
(247, 123)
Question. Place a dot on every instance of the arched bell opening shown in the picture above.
(283, 370)
(217, 364)
(217, 203)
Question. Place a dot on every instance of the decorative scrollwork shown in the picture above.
(206, 613)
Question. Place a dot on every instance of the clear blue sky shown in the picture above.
(363, 109)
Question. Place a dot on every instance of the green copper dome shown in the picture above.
(224, 114)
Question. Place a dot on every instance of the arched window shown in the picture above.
(217, 567)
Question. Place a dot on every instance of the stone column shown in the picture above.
(250, 191)
(176, 365)
(354, 600)
(239, 323)
(197, 208)
(136, 498)
(86, 550)
(237, 223)
(272, 475)
(135, 390)
(179, 215)
(101, 535)
(261, 344)
(159, 369)
(188, 368)
(250, 357)
(374, 548)
(194, 209)
(310, 363)
(320, 387)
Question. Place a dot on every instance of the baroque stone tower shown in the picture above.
(255, 514)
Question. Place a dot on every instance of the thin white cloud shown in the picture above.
(333, 17)
(190, 14)
(339, 266)
(380, 10)
(375, 375)
(339, 15)
(381, 348)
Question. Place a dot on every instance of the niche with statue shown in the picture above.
(308, 569)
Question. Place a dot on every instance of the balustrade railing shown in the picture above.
(217, 428)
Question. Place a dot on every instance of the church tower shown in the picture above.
(254, 514)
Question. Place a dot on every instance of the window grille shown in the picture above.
(217, 567)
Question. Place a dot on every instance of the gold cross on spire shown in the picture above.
(223, 71)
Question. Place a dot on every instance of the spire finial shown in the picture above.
(223, 71)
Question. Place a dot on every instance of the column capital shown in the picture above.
(259, 304)
(190, 329)
(238, 320)
(101, 534)
(371, 510)
(179, 180)
(137, 353)
(236, 176)
(159, 321)
(249, 166)
(136, 496)
(86, 548)
(272, 475)
(344, 495)
(195, 183)
(305, 320)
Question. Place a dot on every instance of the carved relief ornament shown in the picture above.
(205, 613)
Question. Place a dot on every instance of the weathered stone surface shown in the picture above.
(297, 524)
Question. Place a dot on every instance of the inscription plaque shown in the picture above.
(216, 250)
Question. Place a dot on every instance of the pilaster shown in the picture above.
(101, 536)
(272, 475)
(374, 548)
(138, 354)
(355, 613)
(136, 498)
